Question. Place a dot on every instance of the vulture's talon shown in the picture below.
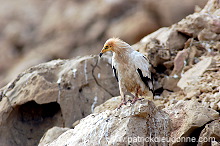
(123, 103)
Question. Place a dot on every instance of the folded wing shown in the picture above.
(114, 67)
(142, 67)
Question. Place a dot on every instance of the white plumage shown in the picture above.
(131, 68)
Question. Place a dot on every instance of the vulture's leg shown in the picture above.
(130, 94)
(124, 102)
(136, 97)
(123, 99)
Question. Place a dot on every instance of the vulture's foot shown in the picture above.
(136, 99)
(123, 103)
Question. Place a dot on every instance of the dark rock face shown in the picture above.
(28, 122)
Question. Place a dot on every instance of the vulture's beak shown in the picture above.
(100, 54)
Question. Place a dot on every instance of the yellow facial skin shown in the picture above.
(106, 48)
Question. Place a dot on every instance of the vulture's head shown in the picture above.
(115, 45)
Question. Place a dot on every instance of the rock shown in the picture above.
(210, 133)
(195, 72)
(200, 24)
(187, 117)
(168, 64)
(215, 143)
(110, 104)
(56, 93)
(75, 123)
(168, 37)
(131, 125)
(179, 62)
(166, 8)
(218, 104)
(207, 35)
(61, 92)
(129, 28)
(36, 32)
(160, 48)
(170, 83)
(193, 53)
(51, 135)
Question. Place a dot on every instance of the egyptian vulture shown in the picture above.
(131, 69)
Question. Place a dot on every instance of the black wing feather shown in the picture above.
(147, 81)
(115, 72)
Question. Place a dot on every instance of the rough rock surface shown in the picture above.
(61, 92)
(204, 88)
(188, 48)
(34, 32)
(195, 72)
(187, 117)
(56, 93)
(173, 50)
(51, 135)
(211, 130)
(120, 127)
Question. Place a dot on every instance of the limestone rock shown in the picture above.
(51, 135)
(166, 8)
(186, 117)
(129, 28)
(61, 92)
(110, 104)
(204, 89)
(56, 93)
(195, 72)
(198, 23)
(166, 37)
(215, 143)
(34, 32)
(130, 125)
(179, 62)
(170, 83)
(211, 132)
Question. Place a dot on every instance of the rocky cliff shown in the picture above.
(55, 93)
(77, 98)
(33, 32)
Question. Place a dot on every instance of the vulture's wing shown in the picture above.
(114, 67)
(142, 67)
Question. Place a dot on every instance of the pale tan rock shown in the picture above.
(207, 35)
(169, 37)
(187, 116)
(56, 93)
(201, 25)
(126, 27)
(195, 72)
(210, 133)
(218, 105)
(110, 104)
(34, 32)
(51, 135)
(170, 83)
(215, 143)
(179, 62)
(60, 36)
(130, 125)
(166, 8)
